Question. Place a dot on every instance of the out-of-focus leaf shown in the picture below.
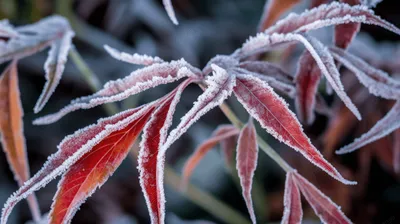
(223, 132)
(389, 123)
(246, 163)
(170, 11)
(273, 9)
(136, 59)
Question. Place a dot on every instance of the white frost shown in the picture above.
(136, 59)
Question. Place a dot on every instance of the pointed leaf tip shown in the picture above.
(170, 11)
(272, 112)
(246, 163)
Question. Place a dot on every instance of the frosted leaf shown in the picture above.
(273, 9)
(120, 89)
(272, 112)
(33, 38)
(323, 206)
(287, 89)
(377, 81)
(371, 3)
(7, 30)
(308, 77)
(54, 67)
(223, 132)
(170, 11)
(136, 59)
(151, 160)
(321, 55)
(327, 15)
(389, 123)
(93, 169)
(70, 150)
(219, 88)
(224, 61)
(293, 212)
(246, 163)
(268, 69)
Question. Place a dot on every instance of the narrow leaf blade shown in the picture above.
(246, 163)
(293, 212)
(324, 207)
(222, 133)
(134, 58)
(389, 123)
(170, 11)
(273, 9)
(273, 113)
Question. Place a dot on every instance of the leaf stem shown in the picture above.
(90, 78)
(34, 208)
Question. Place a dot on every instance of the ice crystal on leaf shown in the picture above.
(326, 209)
(24, 41)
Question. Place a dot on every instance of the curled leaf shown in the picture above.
(273, 113)
(54, 67)
(246, 163)
(223, 132)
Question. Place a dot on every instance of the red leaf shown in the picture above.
(389, 123)
(222, 133)
(274, 115)
(12, 129)
(70, 150)
(228, 146)
(293, 212)
(151, 160)
(246, 163)
(273, 9)
(324, 207)
(11, 124)
(307, 80)
(93, 169)
(345, 33)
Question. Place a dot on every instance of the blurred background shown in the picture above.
(207, 28)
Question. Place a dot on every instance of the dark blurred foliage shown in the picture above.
(207, 28)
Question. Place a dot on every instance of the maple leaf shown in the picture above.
(326, 210)
(272, 112)
(24, 41)
(246, 163)
(151, 159)
(84, 143)
(223, 132)
(120, 89)
(273, 9)
(307, 80)
(345, 33)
